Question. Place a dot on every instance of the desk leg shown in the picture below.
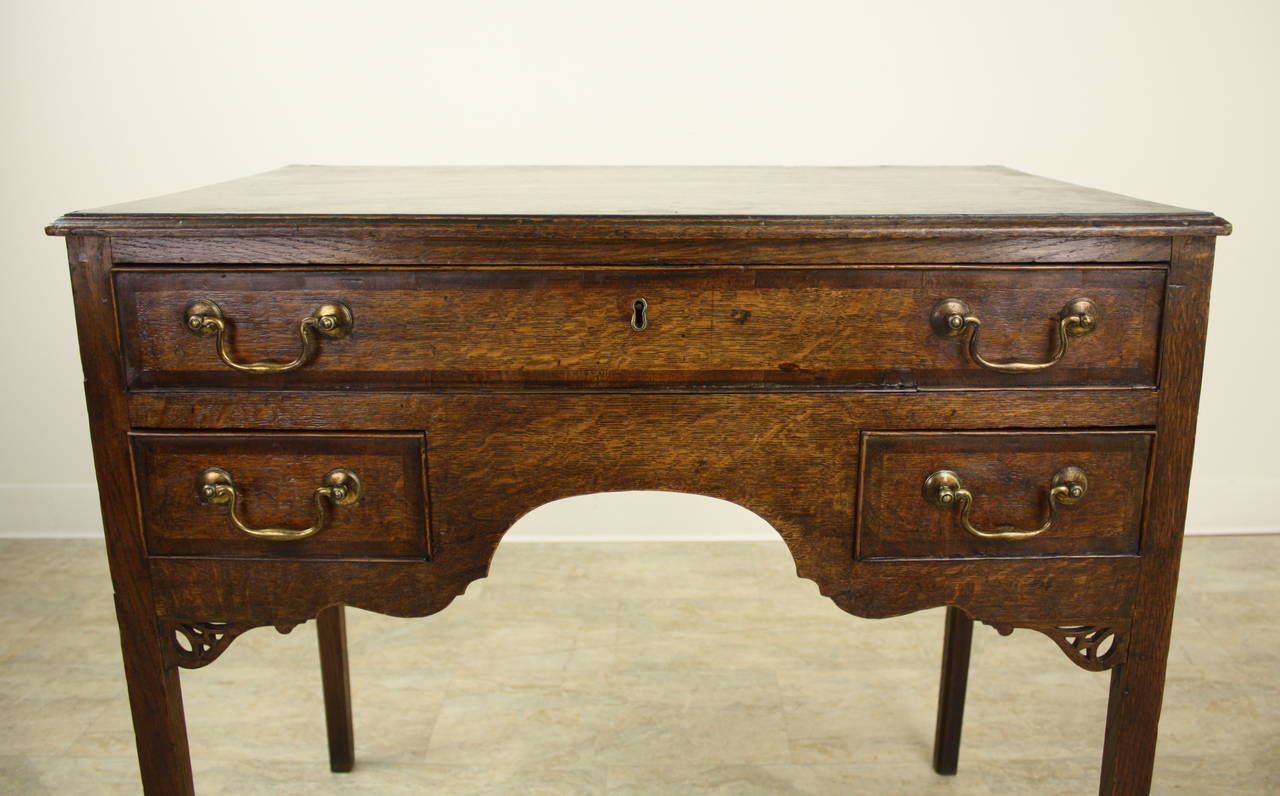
(956, 642)
(1133, 716)
(1137, 684)
(331, 629)
(155, 698)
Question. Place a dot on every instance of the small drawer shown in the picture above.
(990, 494)
(291, 495)
(423, 327)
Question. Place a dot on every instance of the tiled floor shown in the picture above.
(637, 669)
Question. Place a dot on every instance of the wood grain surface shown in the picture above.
(957, 641)
(335, 678)
(643, 191)
(653, 202)
(155, 691)
(1009, 474)
(277, 476)
(1137, 685)
(417, 328)
(790, 458)
(688, 244)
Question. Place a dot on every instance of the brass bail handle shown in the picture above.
(944, 489)
(952, 318)
(338, 488)
(204, 318)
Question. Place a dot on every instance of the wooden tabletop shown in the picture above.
(850, 197)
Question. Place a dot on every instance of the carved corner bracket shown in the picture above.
(196, 644)
(1095, 647)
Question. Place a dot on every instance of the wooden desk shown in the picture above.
(320, 387)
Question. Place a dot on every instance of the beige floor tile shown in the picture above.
(1226, 564)
(377, 778)
(1230, 774)
(1222, 711)
(847, 779)
(518, 731)
(1061, 776)
(47, 726)
(1234, 626)
(838, 715)
(712, 717)
(110, 776)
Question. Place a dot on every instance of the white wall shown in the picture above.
(102, 102)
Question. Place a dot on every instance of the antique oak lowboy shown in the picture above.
(331, 386)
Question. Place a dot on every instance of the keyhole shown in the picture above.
(639, 315)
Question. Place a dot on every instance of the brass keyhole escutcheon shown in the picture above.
(640, 315)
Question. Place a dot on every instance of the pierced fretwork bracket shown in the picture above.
(1094, 647)
(196, 644)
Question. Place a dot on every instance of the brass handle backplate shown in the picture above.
(944, 489)
(204, 318)
(338, 488)
(952, 318)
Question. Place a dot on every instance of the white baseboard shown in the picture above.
(1222, 506)
(1219, 507)
(49, 511)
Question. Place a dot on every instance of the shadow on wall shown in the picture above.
(648, 516)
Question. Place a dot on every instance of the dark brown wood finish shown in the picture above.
(412, 245)
(1009, 474)
(331, 632)
(420, 328)
(155, 695)
(884, 408)
(792, 459)
(789, 367)
(832, 197)
(957, 639)
(277, 476)
(1137, 685)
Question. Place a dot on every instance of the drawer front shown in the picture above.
(561, 327)
(911, 506)
(184, 483)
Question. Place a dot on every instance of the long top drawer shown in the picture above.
(423, 327)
